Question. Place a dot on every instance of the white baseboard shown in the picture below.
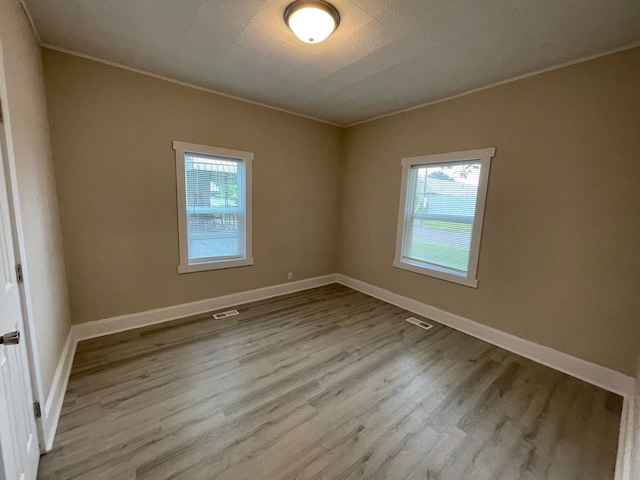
(589, 372)
(121, 323)
(55, 399)
(84, 331)
(625, 440)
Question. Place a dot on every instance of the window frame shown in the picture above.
(181, 148)
(484, 156)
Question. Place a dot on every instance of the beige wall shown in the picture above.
(112, 131)
(24, 105)
(559, 262)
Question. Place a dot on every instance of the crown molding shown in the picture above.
(290, 112)
(501, 82)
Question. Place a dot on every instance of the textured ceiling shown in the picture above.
(387, 55)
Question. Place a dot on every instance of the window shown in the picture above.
(441, 210)
(214, 207)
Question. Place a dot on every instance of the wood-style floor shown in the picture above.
(323, 384)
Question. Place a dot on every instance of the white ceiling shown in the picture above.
(387, 55)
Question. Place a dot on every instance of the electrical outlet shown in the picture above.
(290, 276)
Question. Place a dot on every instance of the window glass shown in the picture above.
(441, 213)
(443, 206)
(214, 206)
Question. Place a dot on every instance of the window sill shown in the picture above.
(201, 267)
(467, 282)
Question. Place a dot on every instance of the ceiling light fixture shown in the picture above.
(312, 20)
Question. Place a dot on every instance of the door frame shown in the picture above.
(6, 143)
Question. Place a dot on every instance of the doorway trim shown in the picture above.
(6, 143)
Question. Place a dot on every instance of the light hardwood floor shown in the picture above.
(323, 384)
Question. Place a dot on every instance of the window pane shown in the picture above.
(215, 213)
(442, 211)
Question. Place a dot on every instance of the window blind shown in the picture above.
(215, 207)
(440, 212)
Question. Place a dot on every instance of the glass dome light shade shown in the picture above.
(312, 21)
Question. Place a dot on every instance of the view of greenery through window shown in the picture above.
(443, 209)
(213, 213)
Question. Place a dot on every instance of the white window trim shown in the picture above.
(184, 266)
(484, 155)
